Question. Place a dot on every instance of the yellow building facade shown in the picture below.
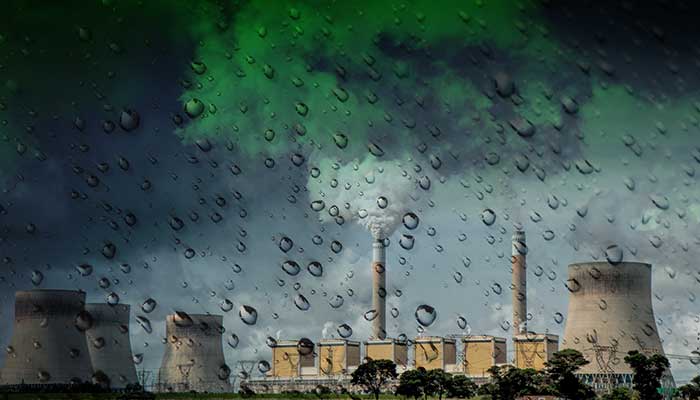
(388, 349)
(338, 357)
(534, 350)
(288, 363)
(432, 352)
(482, 353)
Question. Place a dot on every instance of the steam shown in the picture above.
(327, 330)
(374, 194)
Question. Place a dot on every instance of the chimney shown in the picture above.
(519, 282)
(379, 289)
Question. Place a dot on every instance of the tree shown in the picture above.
(437, 383)
(374, 375)
(412, 383)
(690, 391)
(510, 382)
(620, 393)
(461, 387)
(647, 373)
(561, 371)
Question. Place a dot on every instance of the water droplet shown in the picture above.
(149, 305)
(336, 301)
(305, 346)
(410, 221)
(425, 315)
(488, 216)
(232, 340)
(315, 269)
(344, 330)
(286, 244)
(301, 302)
(248, 315)
(291, 267)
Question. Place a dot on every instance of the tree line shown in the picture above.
(558, 378)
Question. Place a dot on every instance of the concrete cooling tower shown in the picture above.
(48, 343)
(610, 313)
(194, 355)
(109, 344)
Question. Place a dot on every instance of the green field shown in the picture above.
(188, 396)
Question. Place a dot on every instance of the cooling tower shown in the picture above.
(610, 314)
(109, 343)
(48, 343)
(519, 282)
(379, 289)
(194, 356)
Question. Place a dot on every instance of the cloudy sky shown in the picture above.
(173, 147)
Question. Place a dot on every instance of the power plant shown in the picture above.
(194, 355)
(48, 343)
(58, 339)
(610, 313)
(109, 343)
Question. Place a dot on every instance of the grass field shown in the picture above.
(188, 396)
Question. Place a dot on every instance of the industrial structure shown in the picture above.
(519, 275)
(379, 289)
(48, 343)
(533, 350)
(109, 344)
(431, 352)
(288, 362)
(194, 355)
(388, 349)
(338, 356)
(481, 353)
(610, 313)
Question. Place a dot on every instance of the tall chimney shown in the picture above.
(519, 282)
(379, 289)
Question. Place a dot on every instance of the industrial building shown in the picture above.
(109, 344)
(338, 356)
(431, 352)
(194, 355)
(481, 353)
(287, 362)
(48, 344)
(533, 350)
(610, 314)
(388, 349)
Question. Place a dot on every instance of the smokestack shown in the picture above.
(48, 343)
(109, 343)
(379, 289)
(519, 282)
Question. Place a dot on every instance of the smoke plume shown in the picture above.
(375, 194)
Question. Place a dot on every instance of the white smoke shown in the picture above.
(327, 330)
(375, 194)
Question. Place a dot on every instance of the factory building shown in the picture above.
(482, 352)
(610, 314)
(194, 356)
(388, 349)
(338, 357)
(109, 344)
(533, 350)
(48, 344)
(433, 352)
(287, 362)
